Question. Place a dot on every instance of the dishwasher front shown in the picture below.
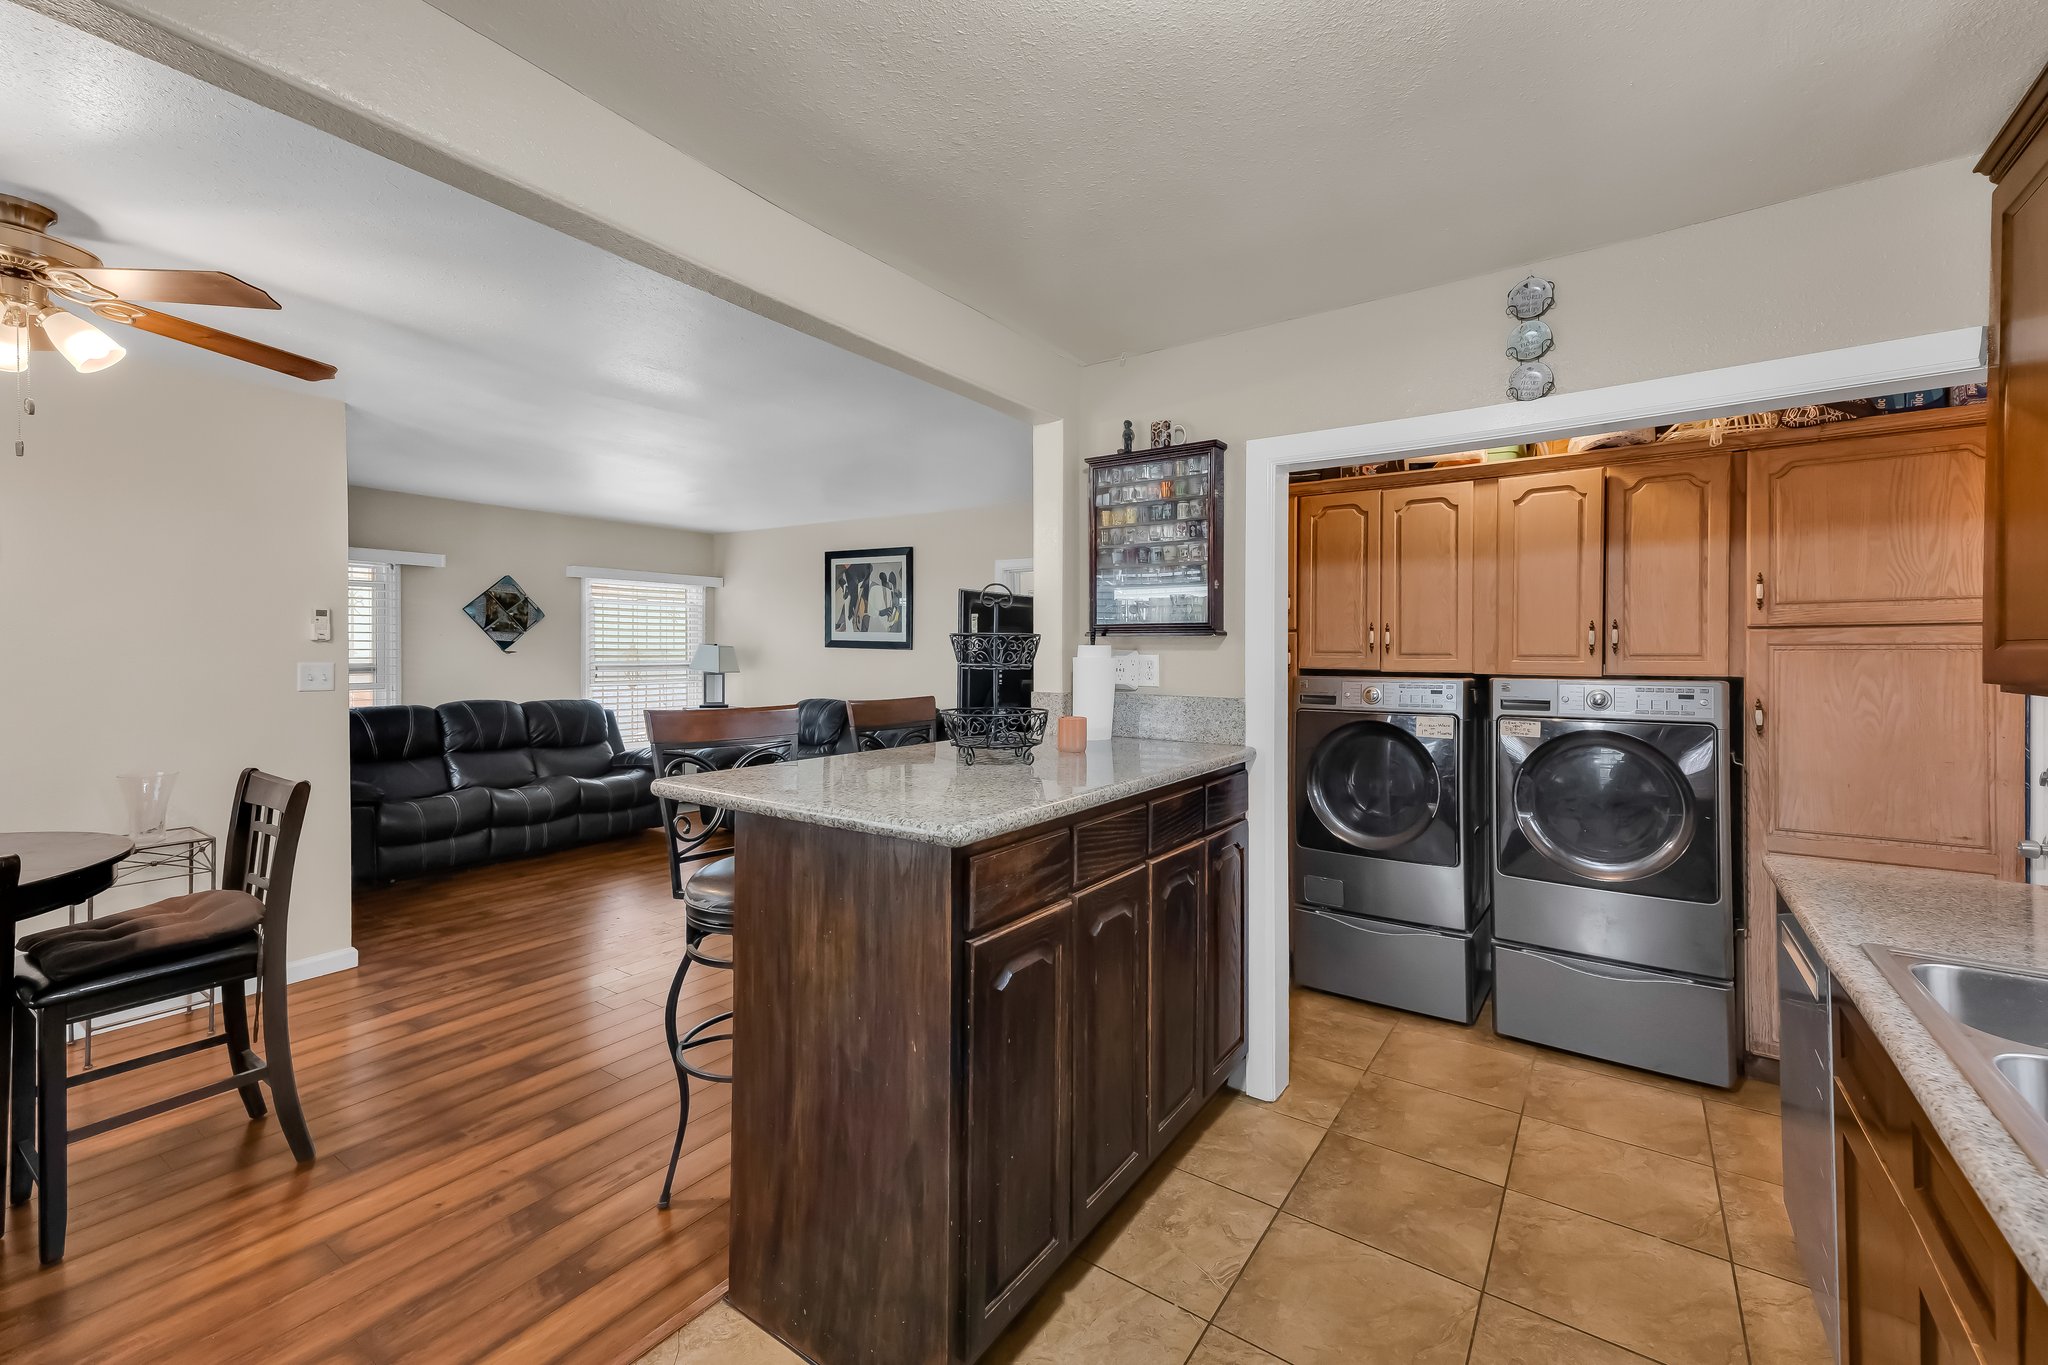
(1806, 1102)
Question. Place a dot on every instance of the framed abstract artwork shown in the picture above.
(867, 599)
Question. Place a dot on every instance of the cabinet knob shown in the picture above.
(2033, 848)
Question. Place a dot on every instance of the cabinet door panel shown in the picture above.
(1549, 566)
(1337, 546)
(1869, 530)
(2016, 584)
(1110, 1140)
(1176, 1073)
(1223, 954)
(1428, 553)
(1667, 567)
(1019, 1196)
(1894, 1308)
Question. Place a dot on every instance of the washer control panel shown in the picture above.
(1643, 701)
(1436, 696)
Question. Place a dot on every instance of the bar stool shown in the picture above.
(707, 913)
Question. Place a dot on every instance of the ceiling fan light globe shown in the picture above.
(15, 345)
(87, 348)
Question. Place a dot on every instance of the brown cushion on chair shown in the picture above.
(179, 927)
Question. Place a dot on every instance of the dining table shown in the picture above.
(59, 868)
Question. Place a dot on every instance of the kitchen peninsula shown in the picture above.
(973, 1003)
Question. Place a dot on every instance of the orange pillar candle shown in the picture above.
(1073, 734)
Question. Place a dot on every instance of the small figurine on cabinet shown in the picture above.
(1129, 436)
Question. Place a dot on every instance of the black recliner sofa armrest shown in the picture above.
(642, 757)
(364, 794)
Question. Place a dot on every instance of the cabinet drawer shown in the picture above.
(1005, 882)
(1105, 847)
(1177, 818)
(1228, 796)
(1867, 1079)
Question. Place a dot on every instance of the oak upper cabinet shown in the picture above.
(1548, 560)
(2016, 438)
(1883, 745)
(1428, 559)
(1111, 1145)
(1858, 528)
(1177, 1070)
(1337, 547)
(1020, 1206)
(1668, 544)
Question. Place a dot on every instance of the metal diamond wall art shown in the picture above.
(504, 612)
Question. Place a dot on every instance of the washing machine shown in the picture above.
(1390, 842)
(1613, 871)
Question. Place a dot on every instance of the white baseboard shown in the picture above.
(297, 970)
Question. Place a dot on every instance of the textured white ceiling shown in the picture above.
(483, 357)
(1119, 175)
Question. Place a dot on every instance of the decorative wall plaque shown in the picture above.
(1531, 379)
(1531, 298)
(1530, 340)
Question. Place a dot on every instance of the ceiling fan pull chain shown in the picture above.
(26, 407)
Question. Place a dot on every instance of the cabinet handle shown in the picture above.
(1756, 714)
(1592, 637)
(1387, 636)
(1759, 592)
(1372, 639)
(1614, 635)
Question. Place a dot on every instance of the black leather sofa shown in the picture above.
(442, 787)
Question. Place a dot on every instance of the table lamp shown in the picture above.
(713, 662)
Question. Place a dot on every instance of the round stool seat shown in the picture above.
(708, 896)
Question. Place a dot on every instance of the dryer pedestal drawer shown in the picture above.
(1671, 1024)
(1423, 970)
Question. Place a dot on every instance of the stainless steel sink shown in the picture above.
(1992, 1021)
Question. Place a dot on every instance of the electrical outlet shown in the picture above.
(317, 677)
(1137, 670)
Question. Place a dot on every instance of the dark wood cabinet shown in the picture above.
(1223, 954)
(1111, 1142)
(1020, 998)
(1177, 1072)
(2016, 431)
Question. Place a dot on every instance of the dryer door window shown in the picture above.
(1373, 786)
(1604, 806)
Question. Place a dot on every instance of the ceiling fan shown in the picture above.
(36, 268)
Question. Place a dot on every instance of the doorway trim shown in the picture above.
(1936, 359)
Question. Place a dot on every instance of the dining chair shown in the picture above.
(154, 954)
(893, 722)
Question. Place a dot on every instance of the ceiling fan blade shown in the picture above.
(172, 286)
(211, 339)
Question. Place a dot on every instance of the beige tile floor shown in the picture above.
(1426, 1193)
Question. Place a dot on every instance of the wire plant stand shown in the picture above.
(995, 731)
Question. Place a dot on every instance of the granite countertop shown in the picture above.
(1844, 905)
(926, 793)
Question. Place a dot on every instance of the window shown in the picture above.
(637, 641)
(372, 634)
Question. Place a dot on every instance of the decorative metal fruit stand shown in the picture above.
(995, 731)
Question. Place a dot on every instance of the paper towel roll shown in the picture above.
(1095, 689)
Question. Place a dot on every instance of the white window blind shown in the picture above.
(638, 639)
(372, 634)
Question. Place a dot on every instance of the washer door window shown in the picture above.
(1372, 787)
(1615, 808)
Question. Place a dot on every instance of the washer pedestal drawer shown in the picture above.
(1428, 971)
(1676, 1025)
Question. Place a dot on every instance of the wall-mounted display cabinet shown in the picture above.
(1155, 541)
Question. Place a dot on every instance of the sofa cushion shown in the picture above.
(396, 750)
(569, 738)
(551, 798)
(487, 743)
(621, 790)
(443, 816)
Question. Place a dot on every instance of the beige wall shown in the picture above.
(1897, 257)
(162, 548)
(772, 607)
(442, 654)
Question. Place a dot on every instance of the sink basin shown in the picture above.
(1992, 1021)
(2004, 1004)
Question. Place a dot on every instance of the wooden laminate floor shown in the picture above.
(493, 1110)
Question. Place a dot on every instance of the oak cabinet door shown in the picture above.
(2016, 436)
(1549, 565)
(1223, 954)
(1337, 547)
(1884, 529)
(1111, 1143)
(1019, 1197)
(1428, 556)
(1895, 1310)
(1668, 544)
(1174, 989)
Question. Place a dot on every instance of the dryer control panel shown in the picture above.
(1435, 696)
(1643, 701)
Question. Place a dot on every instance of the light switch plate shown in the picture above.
(1137, 670)
(318, 677)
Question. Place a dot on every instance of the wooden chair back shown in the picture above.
(706, 740)
(259, 855)
(892, 722)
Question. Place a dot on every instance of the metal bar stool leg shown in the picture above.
(675, 1056)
